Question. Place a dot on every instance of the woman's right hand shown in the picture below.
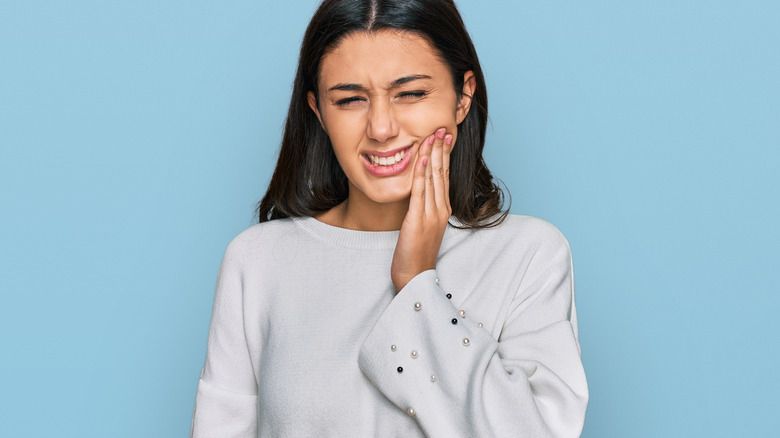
(429, 210)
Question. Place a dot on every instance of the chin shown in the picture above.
(382, 190)
(388, 197)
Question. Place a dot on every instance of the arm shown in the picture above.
(226, 402)
(529, 382)
(463, 382)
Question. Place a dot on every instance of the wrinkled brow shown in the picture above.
(394, 84)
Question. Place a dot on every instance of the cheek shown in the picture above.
(425, 118)
(345, 130)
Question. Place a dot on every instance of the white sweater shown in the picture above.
(308, 336)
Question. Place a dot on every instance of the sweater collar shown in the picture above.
(373, 240)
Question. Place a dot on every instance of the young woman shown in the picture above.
(384, 293)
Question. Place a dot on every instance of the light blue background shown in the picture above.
(136, 137)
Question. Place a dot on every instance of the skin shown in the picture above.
(382, 91)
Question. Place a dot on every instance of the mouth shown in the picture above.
(387, 163)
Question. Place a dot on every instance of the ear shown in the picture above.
(467, 95)
(312, 99)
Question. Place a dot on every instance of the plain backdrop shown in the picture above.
(136, 137)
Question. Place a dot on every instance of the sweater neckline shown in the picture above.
(375, 240)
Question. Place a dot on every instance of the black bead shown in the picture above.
(400, 369)
(454, 321)
(449, 296)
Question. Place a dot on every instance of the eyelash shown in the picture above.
(348, 100)
(404, 95)
(413, 94)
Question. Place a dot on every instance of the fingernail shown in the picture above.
(440, 133)
(430, 139)
(448, 139)
(425, 161)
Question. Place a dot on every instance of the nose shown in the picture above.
(381, 125)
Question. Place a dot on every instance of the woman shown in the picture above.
(384, 293)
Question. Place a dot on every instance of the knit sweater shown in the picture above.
(309, 337)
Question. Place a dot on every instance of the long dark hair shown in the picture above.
(308, 179)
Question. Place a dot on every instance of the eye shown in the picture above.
(348, 100)
(413, 94)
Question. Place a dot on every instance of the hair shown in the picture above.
(308, 179)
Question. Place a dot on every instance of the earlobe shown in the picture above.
(467, 95)
(312, 100)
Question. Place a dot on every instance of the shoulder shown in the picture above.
(530, 226)
(259, 237)
(519, 242)
(527, 232)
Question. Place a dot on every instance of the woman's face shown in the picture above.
(381, 95)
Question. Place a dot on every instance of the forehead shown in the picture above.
(377, 58)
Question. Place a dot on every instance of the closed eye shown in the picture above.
(413, 94)
(348, 100)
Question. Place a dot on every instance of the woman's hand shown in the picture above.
(429, 210)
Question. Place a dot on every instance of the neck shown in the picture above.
(358, 212)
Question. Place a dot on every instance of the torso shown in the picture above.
(312, 294)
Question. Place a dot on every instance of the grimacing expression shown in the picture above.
(381, 94)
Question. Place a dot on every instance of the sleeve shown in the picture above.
(455, 379)
(226, 401)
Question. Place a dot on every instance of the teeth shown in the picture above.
(386, 161)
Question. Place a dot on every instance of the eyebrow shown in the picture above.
(395, 84)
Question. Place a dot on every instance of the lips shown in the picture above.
(387, 163)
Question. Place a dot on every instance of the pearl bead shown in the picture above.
(417, 305)
(454, 321)
(436, 280)
(433, 377)
(393, 348)
(462, 313)
(466, 343)
(479, 325)
(414, 354)
(411, 412)
(449, 296)
(400, 369)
